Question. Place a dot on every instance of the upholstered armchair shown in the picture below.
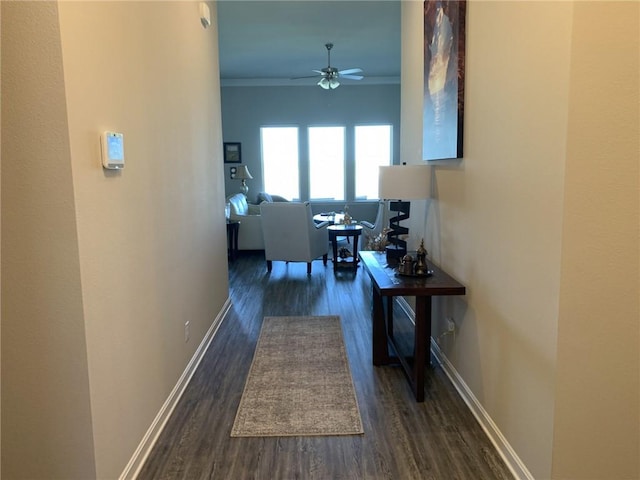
(250, 232)
(372, 230)
(291, 235)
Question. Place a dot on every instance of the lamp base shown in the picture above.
(395, 254)
(397, 247)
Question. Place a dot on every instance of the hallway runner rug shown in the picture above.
(299, 383)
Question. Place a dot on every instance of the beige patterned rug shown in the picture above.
(299, 383)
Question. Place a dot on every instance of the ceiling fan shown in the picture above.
(331, 74)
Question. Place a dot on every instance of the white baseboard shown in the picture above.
(502, 446)
(134, 466)
(518, 469)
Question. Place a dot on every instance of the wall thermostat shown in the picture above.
(205, 15)
(112, 150)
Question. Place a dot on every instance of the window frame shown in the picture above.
(349, 160)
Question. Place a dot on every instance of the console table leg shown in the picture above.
(380, 348)
(422, 345)
(390, 317)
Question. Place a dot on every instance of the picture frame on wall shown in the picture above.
(232, 152)
(444, 72)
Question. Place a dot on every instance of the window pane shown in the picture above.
(280, 161)
(372, 149)
(326, 163)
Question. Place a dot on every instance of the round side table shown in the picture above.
(336, 231)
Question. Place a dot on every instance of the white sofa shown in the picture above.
(266, 197)
(250, 232)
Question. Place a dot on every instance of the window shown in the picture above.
(280, 161)
(326, 163)
(340, 164)
(372, 149)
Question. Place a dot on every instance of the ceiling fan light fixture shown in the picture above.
(327, 83)
(329, 75)
(324, 83)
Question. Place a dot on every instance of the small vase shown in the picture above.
(421, 262)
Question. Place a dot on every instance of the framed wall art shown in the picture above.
(232, 152)
(444, 61)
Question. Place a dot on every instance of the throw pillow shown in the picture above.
(264, 197)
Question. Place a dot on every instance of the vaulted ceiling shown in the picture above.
(269, 42)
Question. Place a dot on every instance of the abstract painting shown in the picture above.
(443, 115)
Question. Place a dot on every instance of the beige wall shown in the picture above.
(93, 301)
(46, 412)
(103, 268)
(509, 221)
(597, 395)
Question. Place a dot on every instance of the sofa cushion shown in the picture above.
(264, 197)
(239, 204)
(250, 231)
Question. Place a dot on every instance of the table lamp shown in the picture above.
(243, 174)
(399, 183)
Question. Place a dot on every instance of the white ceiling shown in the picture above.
(268, 42)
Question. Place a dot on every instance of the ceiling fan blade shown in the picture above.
(350, 71)
(329, 75)
(352, 77)
(306, 76)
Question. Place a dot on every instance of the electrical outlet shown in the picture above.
(187, 332)
(451, 325)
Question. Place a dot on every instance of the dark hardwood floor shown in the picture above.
(437, 439)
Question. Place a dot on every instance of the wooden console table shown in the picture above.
(386, 285)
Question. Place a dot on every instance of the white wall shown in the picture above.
(500, 221)
(103, 268)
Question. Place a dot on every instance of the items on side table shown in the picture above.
(417, 268)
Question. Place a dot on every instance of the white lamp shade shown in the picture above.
(243, 173)
(404, 182)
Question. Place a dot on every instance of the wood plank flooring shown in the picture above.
(438, 439)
